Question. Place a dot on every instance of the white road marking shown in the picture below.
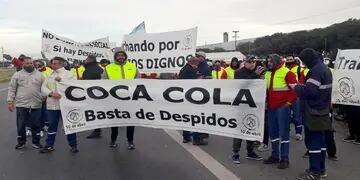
(204, 158)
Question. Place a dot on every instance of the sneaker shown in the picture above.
(333, 158)
(357, 141)
(37, 146)
(28, 132)
(236, 158)
(284, 164)
(263, 148)
(113, 144)
(350, 139)
(41, 133)
(94, 135)
(74, 149)
(339, 117)
(271, 160)
(253, 156)
(306, 155)
(47, 149)
(186, 140)
(298, 137)
(131, 145)
(322, 173)
(200, 142)
(20, 146)
(309, 176)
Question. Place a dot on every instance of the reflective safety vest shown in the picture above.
(296, 71)
(217, 74)
(78, 72)
(230, 72)
(116, 71)
(46, 72)
(306, 71)
(279, 83)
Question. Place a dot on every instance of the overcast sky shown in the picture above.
(21, 21)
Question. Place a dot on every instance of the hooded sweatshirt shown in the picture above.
(316, 91)
(278, 99)
(92, 71)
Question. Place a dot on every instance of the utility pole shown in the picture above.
(235, 36)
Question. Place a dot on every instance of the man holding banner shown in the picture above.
(190, 71)
(49, 88)
(121, 69)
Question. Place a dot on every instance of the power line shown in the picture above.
(316, 15)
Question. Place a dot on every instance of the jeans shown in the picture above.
(43, 118)
(279, 129)
(237, 146)
(53, 117)
(296, 116)
(30, 117)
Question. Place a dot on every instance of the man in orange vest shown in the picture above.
(218, 72)
(279, 98)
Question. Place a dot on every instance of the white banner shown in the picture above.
(346, 83)
(228, 108)
(224, 56)
(54, 45)
(161, 52)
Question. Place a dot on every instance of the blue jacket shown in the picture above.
(204, 69)
(316, 91)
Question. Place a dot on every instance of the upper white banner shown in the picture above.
(54, 45)
(160, 52)
(227, 108)
(346, 83)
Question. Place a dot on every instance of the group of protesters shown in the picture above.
(297, 93)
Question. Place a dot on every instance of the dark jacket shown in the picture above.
(316, 91)
(204, 69)
(244, 73)
(188, 72)
(92, 71)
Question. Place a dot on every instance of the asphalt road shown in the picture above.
(159, 155)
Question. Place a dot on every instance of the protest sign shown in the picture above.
(160, 52)
(227, 108)
(346, 81)
(54, 45)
